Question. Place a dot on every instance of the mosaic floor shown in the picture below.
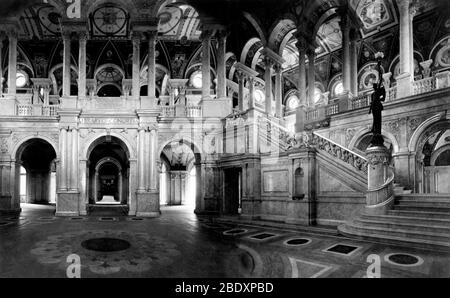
(180, 244)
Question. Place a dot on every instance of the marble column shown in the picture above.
(120, 186)
(405, 36)
(278, 91)
(301, 46)
(136, 75)
(63, 163)
(241, 80)
(147, 160)
(354, 62)
(346, 65)
(74, 158)
(141, 160)
(412, 14)
(82, 64)
(68, 157)
(311, 76)
(66, 63)
(221, 66)
(206, 64)
(268, 84)
(2, 37)
(12, 62)
(151, 81)
(154, 175)
(251, 91)
(96, 187)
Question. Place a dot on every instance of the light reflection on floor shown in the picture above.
(180, 244)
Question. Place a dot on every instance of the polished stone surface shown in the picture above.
(181, 244)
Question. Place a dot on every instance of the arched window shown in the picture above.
(196, 79)
(21, 79)
(293, 102)
(259, 96)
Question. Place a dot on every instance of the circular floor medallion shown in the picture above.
(105, 244)
(297, 241)
(403, 259)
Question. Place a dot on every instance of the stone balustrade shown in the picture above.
(37, 110)
(189, 111)
(342, 104)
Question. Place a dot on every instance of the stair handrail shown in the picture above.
(380, 199)
(340, 146)
(348, 156)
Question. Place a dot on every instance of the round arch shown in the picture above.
(106, 160)
(98, 139)
(20, 146)
(198, 153)
(437, 153)
(364, 131)
(422, 128)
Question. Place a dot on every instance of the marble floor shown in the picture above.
(181, 244)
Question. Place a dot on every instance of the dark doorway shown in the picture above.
(233, 193)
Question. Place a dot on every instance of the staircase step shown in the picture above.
(369, 234)
(420, 219)
(388, 224)
(402, 233)
(424, 197)
(420, 214)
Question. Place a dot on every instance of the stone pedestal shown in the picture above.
(404, 85)
(67, 203)
(380, 195)
(8, 105)
(147, 204)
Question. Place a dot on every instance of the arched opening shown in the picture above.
(363, 143)
(109, 91)
(433, 159)
(108, 171)
(299, 192)
(36, 172)
(178, 177)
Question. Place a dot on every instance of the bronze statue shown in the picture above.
(376, 108)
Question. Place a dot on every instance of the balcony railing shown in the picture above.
(342, 104)
(189, 111)
(37, 110)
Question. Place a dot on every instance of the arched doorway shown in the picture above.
(108, 172)
(36, 172)
(178, 176)
(433, 159)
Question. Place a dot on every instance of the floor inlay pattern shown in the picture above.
(116, 250)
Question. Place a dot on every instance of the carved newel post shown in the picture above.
(380, 193)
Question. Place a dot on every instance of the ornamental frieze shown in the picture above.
(109, 121)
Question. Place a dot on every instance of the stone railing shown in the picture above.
(381, 197)
(189, 111)
(355, 160)
(339, 105)
(424, 85)
(361, 101)
(193, 111)
(37, 110)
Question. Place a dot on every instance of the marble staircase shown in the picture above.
(419, 220)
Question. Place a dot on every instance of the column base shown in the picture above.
(147, 204)
(404, 85)
(67, 203)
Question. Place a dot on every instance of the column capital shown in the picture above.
(271, 58)
(240, 76)
(404, 3)
(278, 68)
